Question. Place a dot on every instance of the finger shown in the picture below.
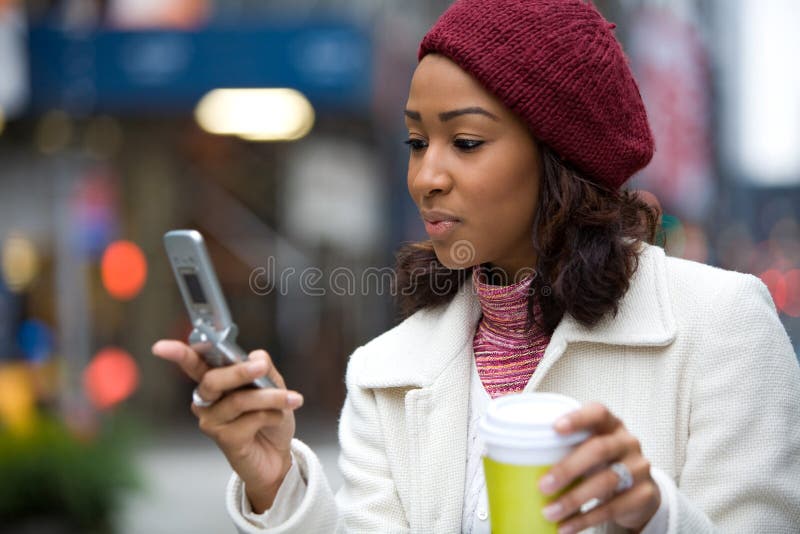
(595, 451)
(593, 417)
(629, 503)
(245, 427)
(216, 382)
(272, 371)
(235, 404)
(188, 360)
(601, 485)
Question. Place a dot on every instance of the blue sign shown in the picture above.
(35, 339)
(10, 315)
(169, 71)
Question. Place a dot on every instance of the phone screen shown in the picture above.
(195, 289)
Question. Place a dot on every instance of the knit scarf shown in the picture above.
(506, 350)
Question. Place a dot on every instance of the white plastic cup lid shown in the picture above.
(525, 421)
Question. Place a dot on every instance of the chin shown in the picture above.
(459, 254)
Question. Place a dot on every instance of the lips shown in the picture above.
(439, 223)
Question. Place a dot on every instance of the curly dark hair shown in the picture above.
(587, 239)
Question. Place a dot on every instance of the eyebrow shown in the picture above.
(447, 115)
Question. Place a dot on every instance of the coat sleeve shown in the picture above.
(368, 500)
(316, 512)
(742, 462)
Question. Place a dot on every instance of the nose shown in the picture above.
(430, 175)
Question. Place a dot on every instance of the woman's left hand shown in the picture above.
(610, 442)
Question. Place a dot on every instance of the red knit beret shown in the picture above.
(558, 66)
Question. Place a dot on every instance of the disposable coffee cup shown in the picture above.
(521, 446)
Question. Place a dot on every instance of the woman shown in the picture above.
(523, 122)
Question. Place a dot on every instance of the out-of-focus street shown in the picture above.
(185, 478)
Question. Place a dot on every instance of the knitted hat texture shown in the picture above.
(558, 66)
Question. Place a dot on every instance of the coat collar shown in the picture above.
(418, 350)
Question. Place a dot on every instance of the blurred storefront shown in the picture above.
(107, 150)
(723, 94)
(103, 149)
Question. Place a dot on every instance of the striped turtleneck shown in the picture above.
(507, 351)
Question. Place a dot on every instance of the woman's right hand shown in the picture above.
(253, 427)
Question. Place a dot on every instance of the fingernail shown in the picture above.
(256, 367)
(566, 529)
(552, 512)
(257, 354)
(294, 400)
(547, 483)
(562, 425)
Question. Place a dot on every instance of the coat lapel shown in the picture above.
(428, 359)
(416, 352)
(437, 418)
(644, 318)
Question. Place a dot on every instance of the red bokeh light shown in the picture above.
(792, 282)
(776, 283)
(123, 269)
(110, 378)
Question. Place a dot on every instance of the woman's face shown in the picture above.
(473, 170)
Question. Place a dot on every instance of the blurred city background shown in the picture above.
(113, 130)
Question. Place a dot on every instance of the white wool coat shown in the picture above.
(696, 364)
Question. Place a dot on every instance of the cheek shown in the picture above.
(504, 207)
(507, 197)
(410, 175)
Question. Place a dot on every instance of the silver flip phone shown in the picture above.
(214, 333)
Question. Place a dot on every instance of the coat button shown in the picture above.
(482, 515)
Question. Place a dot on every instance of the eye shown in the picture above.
(467, 145)
(415, 144)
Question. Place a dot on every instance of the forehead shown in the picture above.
(438, 80)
